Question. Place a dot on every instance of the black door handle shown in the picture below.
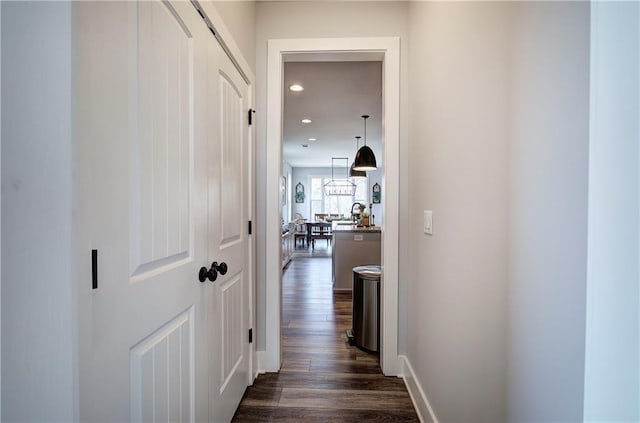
(207, 274)
(222, 267)
(212, 274)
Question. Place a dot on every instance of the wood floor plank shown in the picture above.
(376, 382)
(345, 366)
(297, 332)
(318, 317)
(296, 364)
(315, 341)
(319, 355)
(318, 415)
(325, 325)
(344, 399)
(322, 378)
(258, 395)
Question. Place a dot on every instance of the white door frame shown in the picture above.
(388, 49)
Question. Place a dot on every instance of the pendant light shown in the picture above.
(341, 186)
(365, 159)
(357, 173)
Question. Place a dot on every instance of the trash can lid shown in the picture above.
(369, 271)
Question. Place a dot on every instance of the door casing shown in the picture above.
(386, 49)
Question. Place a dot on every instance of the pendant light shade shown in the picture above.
(365, 159)
(357, 173)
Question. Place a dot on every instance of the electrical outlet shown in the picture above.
(428, 222)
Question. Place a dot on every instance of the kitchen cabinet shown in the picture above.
(353, 246)
(288, 246)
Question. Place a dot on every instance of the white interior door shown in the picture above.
(143, 176)
(228, 137)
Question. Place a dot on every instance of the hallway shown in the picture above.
(323, 378)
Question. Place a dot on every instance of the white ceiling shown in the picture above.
(335, 96)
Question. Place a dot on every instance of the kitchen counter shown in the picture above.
(342, 228)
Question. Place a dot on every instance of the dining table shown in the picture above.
(324, 231)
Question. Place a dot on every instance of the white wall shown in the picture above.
(458, 166)
(613, 292)
(37, 300)
(548, 210)
(303, 174)
(498, 140)
(319, 19)
(376, 176)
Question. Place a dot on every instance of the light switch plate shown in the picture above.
(428, 222)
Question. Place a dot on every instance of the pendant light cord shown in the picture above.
(365, 117)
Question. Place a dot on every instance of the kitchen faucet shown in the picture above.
(361, 207)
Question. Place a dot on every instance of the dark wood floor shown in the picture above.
(323, 378)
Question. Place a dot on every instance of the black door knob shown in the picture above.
(222, 267)
(212, 274)
(205, 274)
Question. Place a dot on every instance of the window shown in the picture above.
(317, 197)
(336, 204)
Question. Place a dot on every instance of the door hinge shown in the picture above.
(250, 336)
(249, 227)
(204, 17)
(250, 116)
(94, 269)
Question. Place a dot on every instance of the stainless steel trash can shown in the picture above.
(366, 307)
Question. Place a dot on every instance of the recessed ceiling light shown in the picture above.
(312, 139)
(305, 120)
(296, 88)
(305, 145)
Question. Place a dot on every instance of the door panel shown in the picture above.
(161, 178)
(231, 121)
(231, 296)
(162, 372)
(228, 239)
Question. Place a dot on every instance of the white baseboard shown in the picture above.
(341, 289)
(259, 364)
(420, 402)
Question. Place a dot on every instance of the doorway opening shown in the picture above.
(386, 51)
(320, 192)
